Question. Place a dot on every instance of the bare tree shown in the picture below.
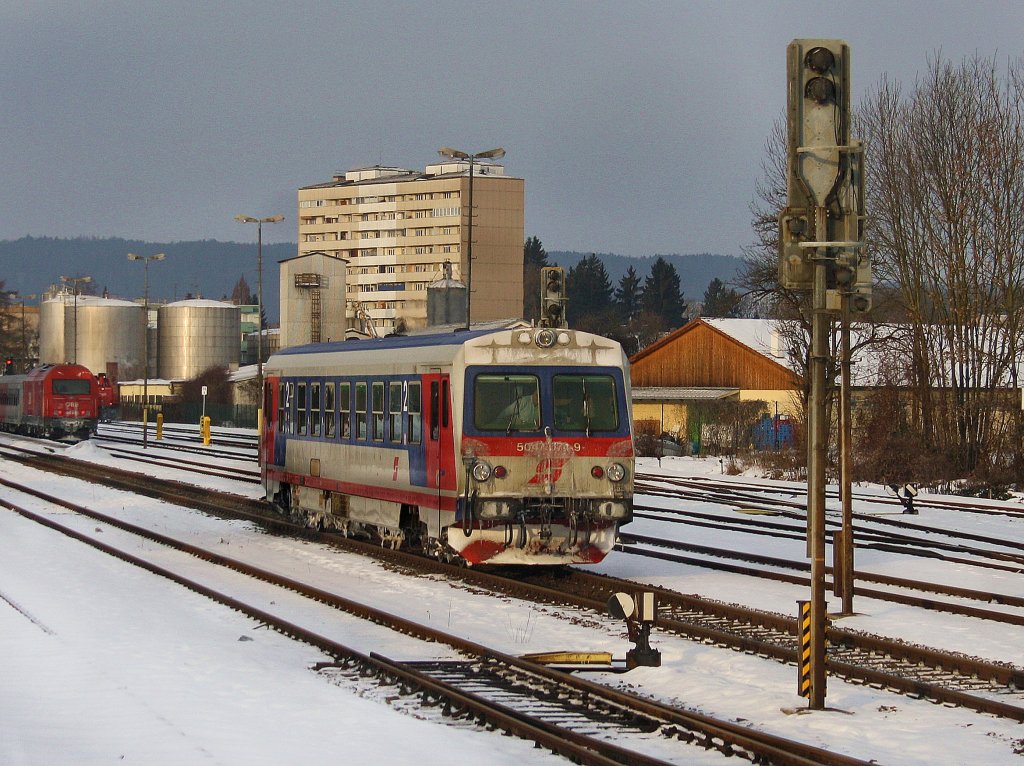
(946, 203)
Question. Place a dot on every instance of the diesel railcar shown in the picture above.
(54, 401)
(497, 447)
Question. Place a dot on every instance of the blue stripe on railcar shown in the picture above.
(416, 450)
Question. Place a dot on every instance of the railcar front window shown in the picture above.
(71, 387)
(506, 403)
(585, 403)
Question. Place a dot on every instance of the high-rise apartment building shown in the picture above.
(396, 228)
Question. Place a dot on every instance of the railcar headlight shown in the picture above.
(481, 470)
(546, 338)
(616, 472)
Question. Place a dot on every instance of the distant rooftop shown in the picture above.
(391, 174)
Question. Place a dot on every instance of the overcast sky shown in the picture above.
(638, 126)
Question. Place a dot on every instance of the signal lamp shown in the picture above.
(819, 59)
(820, 89)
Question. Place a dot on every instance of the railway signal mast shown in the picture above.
(820, 252)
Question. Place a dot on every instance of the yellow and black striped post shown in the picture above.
(804, 654)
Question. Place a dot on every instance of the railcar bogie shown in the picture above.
(486, 447)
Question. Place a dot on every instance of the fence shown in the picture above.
(225, 415)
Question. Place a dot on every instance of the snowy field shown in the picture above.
(105, 663)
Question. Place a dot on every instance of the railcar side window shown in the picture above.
(360, 410)
(415, 413)
(395, 411)
(345, 405)
(329, 413)
(314, 409)
(300, 408)
(585, 403)
(506, 403)
(282, 399)
(377, 391)
(286, 407)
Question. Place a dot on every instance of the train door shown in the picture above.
(439, 437)
(269, 421)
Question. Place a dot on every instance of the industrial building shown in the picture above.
(395, 229)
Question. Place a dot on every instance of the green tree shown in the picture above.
(629, 295)
(535, 257)
(720, 301)
(590, 295)
(663, 295)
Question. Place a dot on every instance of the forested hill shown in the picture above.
(210, 269)
(695, 271)
(206, 268)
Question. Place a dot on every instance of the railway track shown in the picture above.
(758, 489)
(857, 657)
(894, 535)
(768, 568)
(582, 720)
(153, 457)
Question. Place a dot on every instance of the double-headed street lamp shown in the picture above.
(75, 281)
(456, 154)
(145, 303)
(259, 286)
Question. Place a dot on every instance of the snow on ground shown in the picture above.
(102, 662)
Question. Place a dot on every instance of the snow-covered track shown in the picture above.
(552, 709)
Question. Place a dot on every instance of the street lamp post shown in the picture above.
(75, 281)
(456, 154)
(259, 288)
(145, 305)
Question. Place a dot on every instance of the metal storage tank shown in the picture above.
(94, 332)
(447, 301)
(195, 335)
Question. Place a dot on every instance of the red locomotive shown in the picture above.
(56, 401)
